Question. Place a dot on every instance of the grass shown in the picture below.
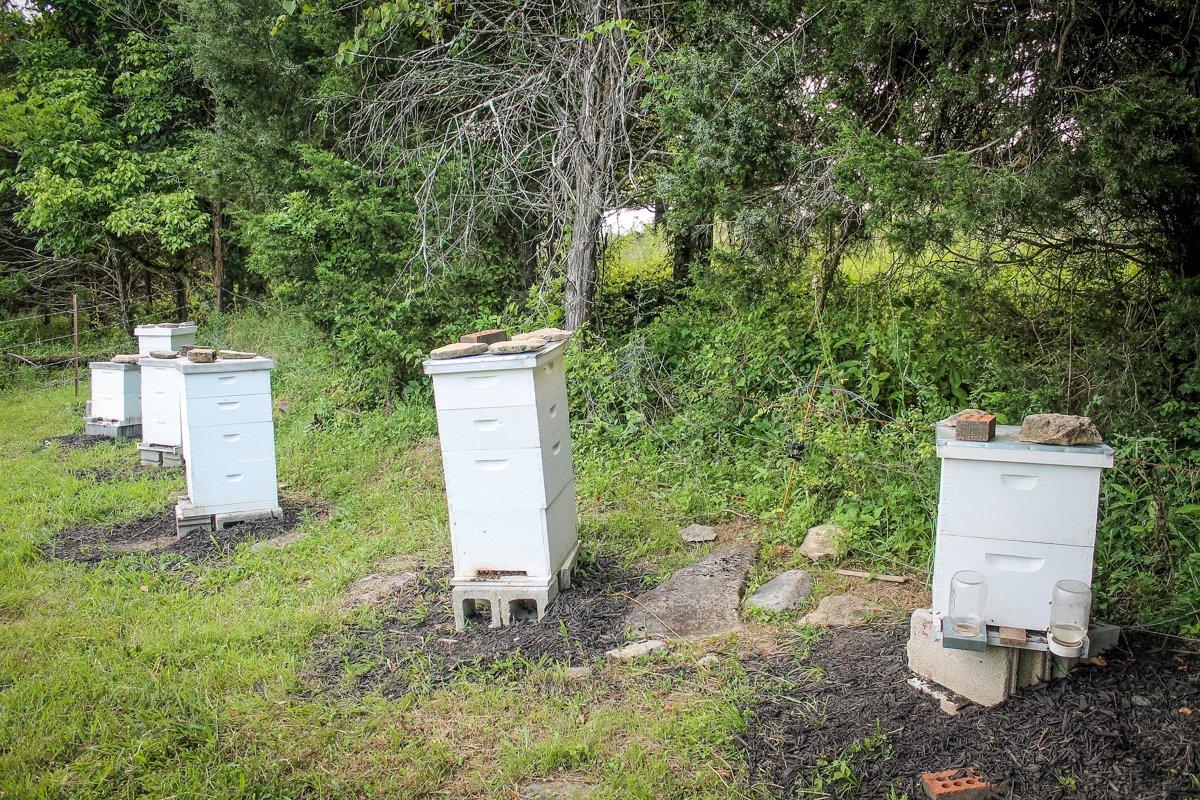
(131, 680)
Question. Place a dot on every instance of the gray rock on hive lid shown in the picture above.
(459, 350)
(1060, 429)
(125, 358)
(237, 354)
(516, 346)
(201, 355)
(163, 354)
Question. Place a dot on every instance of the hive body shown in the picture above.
(115, 408)
(506, 456)
(162, 436)
(228, 443)
(1023, 515)
(164, 336)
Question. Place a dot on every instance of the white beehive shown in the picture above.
(228, 442)
(506, 456)
(164, 336)
(116, 403)
(162, 433)
(1022, 515)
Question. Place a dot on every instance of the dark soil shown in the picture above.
(1127, 726)
(77, 441)
(415, 647)
(156, 535)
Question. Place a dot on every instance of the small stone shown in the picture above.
(485, 337)
(787, 591)
(276, 542)
(579, 673)
(546, 335)
(708, 661)
(125, 358)
(840, 610)
(458, 350)
(237, 354)
(163, 354)
(698, 533)
(952, 420)
(516, 346)
(1141, 701)
(184, 349)
(201, 355)
(148, 545)
(1060, 429)
(636, 650)
(375, 589)
(821, 541)
(554, 790)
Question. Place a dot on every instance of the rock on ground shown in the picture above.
(554, 790)
(787, 591)
(579, 673)
(821, 541)
(698, 533)
(276, 542)
(376, 589)
(708, 661)
(699, 600)
(840, 610)
(1061, 429)
(636, 650)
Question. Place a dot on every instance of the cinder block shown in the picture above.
(1102, 637)
(987, 678)
(127, 431)
(1033, 667)
(501, 605)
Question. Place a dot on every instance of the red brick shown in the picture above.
(956, 784)
(485, 337)
(975, 426)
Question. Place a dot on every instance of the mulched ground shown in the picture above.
(77, 441)
(155, 535)
(1109, 731)
(415, 648)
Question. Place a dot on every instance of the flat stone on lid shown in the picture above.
(458, 350)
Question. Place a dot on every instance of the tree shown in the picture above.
(517, 111)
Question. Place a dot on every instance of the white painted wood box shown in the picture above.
(116, 399)
(228, 442)
(506, 456)
(1021, 514)
(164, 336)
(162, 432)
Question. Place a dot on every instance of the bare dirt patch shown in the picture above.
(78, 441)
(415, 648)
(1128, 726)
(155, 534)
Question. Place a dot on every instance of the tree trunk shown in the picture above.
(824, 277)
(660, 212)
(218, 254)
(181, 299)
(691, 248)
(591, 154)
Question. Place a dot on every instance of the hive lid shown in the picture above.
(1007, 446)
(489, 362)
(220, 365)
(164, 329)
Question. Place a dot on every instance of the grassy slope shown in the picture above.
(129, 680)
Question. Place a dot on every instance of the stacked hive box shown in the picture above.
(116, 405)
(506, 455)
(1022, 515)
(162, 436)
(228, 443)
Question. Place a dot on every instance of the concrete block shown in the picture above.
(485, 337)
(1033, 667)
(946, 701)
(1102, 637)
(501, 603)
(127, 431)
(987, 678)
(975, 426)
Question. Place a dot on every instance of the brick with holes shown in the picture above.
(956, 784)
